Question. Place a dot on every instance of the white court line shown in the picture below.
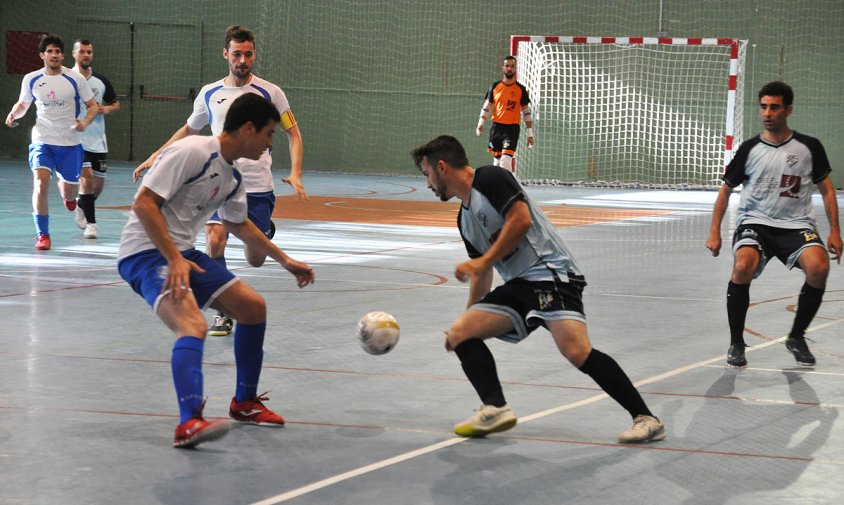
(295, 493)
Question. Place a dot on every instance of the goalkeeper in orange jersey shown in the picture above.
(509, 101)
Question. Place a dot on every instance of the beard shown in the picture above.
(509, 75)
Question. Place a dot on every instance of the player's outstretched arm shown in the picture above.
(830, 203)
(181, 133)
(482, 119)
(253, 238)
(294, 143)
(18, 111)
(713, 242)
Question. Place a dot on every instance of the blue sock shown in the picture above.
(248, 356)
(42, 224)
(186, 363)
(221, 260)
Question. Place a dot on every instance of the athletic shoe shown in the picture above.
(735, 356)
(644, 429)
(800, 350)
(80, 218)
(70, 204)
(488, 419)
(222, 326)
(254, 412)
(196, 430)
(43, 242)
(90, 230)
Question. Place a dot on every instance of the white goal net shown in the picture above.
(628, 111)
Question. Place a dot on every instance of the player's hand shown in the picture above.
(80, 126)
(713, 243)
(303, 273)
(479, 130)
(835, 247)
(468, 270)
(178, 278)
(298, 187)
(531, 142)
(10, 121)
(138, 172)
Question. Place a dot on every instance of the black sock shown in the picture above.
(86, 203)
(807, 306)
(738, 301)
(605, 371)
(479, 366)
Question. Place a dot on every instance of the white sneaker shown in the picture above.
(644, 429)
(90, 230)
(488, 419)
(80, 218)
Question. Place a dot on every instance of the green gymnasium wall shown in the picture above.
(369, 80)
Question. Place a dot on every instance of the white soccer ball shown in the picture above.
(378, 332)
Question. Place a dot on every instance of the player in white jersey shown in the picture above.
(94, 142)
(191, 179)
(58, 93)
(777, 170)
(210, 108)
(503, 228)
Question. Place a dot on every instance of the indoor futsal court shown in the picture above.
(87, 407)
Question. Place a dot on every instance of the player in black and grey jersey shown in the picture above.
(778, 170)
(543, 286)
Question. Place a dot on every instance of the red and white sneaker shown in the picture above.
(254, 412)
(43, 243)
(70, 204)
(196, 430)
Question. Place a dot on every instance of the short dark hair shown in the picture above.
(443, 148)
(240, 34)
(510, 57)
(82, 42)
(49, 39)
(778, 88)
(250, 108)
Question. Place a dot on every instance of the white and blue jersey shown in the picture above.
(194, 180)
(541, 256)
(210, 108)
(58, 100)
(94, 137)
(778, 181)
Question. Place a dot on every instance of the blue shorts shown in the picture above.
(528, 304)
(65, 161)
(146, 272)
(260, 208)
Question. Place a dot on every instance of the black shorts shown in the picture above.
(97, 162)
(784, 244)
(529, 304)
(503, 139)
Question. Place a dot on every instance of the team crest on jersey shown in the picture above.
(810, 235)
(545, 299)
(791, 160)
(482, 217)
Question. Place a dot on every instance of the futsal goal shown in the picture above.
(631, 111)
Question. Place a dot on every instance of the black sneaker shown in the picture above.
(735, 356)
(800, 350)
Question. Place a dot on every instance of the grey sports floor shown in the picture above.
(87, 408)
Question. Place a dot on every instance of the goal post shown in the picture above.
(631, 111)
